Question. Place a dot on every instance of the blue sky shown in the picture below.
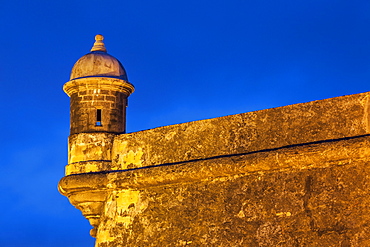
(188, 60)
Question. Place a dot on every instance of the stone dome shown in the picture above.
(98, 63)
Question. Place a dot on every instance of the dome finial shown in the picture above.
(99, 44)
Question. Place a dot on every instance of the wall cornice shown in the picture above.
(103, 83)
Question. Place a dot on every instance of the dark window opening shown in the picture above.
(98, 117)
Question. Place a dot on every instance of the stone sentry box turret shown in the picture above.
(98, 91)
(98, 88)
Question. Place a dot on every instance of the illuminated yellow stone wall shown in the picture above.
(291, 176)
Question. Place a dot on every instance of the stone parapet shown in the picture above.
(329, 119)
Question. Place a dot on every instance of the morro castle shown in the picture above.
(290, 176)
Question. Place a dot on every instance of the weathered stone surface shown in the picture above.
(98, 64)
(243, 133)
(92, 93)
(303, 195)
(88, 194)
(89, 152)
(90, 147)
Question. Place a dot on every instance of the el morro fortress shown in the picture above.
(296, 175)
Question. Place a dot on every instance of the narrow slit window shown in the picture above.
(98, 117)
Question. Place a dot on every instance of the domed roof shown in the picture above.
(98, 63)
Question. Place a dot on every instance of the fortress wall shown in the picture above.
(290, 176)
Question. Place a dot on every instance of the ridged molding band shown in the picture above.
(104, 83)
